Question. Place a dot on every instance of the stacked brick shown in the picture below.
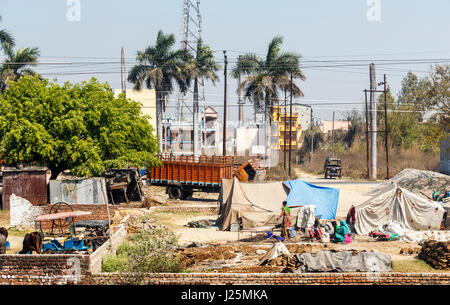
(436, 254)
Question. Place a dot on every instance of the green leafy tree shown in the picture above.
(437, 93)
(266, 76)
(17, 64)
(81, 127)
(159, 67)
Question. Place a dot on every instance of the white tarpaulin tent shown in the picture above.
(398, 204)
(255, 204)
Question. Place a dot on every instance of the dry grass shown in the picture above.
(279, 173)
(354, 163)
(412, 265)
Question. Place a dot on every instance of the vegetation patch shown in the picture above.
(146, 251)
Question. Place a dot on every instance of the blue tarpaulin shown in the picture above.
(325, 199)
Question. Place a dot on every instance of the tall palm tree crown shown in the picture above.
(266, 76)
(6, 39)
(159, 67)
(17, 64)
(201, 67)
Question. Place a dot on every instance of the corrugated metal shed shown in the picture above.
(445, 156)
(29, 183)
(87, 191)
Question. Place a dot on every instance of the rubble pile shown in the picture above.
(421, 182)
(410, 251)
(145, 225)
(436, 254)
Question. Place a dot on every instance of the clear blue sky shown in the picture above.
(318, 30)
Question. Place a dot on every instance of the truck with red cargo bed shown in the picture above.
(182, 175)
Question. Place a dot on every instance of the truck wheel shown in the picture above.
(174, 192)
(187, 194)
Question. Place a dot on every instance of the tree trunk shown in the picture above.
(195, 119)
(159, 99)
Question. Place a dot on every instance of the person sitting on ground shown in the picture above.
(435, 195)
(316, 231)
(286, 214)
(342, 234)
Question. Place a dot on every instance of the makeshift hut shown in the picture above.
(397, 204)
(325, 199)
(255, 204)
(259, 204)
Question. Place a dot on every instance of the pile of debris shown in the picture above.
(326, 261)
(421, 182)
(148, 225)
(436, 254)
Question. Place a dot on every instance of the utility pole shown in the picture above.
(332, 135)
(124, 83)
(367, 137)
(312, 136)
(386, 131)
(284, 129)
(240, 99)
(225, 105)
(290, 128)
(373, 121)
(195, 120)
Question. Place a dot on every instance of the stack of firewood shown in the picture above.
(436, 254)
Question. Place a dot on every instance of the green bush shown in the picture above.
(146, 252)
(115, 263)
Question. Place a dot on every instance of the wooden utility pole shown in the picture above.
(386, 131)
(240, 99)
(284, 129)
(373, 121)
(367, 137)
(332, 135)
(225, 105)
(123, 81)
(290, 128)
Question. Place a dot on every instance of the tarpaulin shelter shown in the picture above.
(256, 204)
(325, 199)
(398, 204)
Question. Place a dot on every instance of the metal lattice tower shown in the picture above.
(192, 25)
(192, 30)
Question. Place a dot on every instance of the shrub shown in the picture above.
(147, 251)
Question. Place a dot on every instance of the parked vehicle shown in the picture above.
(68, 243)
(182, 175)
(332, 168)
(250, 171)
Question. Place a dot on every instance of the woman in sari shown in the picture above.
(286, 214)
(316, 232)
(342, 234)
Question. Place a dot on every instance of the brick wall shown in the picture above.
(119, 236)
(272, 279)
(43, 269)
(99, 212)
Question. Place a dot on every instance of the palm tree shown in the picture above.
(203, 67)
(266, 76)
(17, 64)
(6, 39)
(158, 67)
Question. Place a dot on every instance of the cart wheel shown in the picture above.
(60, 224)
(174, 192)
